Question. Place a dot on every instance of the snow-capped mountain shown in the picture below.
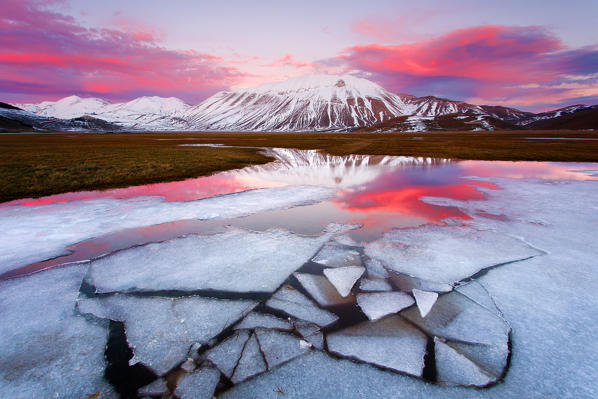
(151, 113)
(304, 103)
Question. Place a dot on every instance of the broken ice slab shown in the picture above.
(374, 285)
(408, 283)
(161, 330)
(335, 255)
(453, 367)
(320, 289)
(256, 319)
(424, 300)
(376, 305)
(390, 343)
(375, 269)
(236, 260)
(200, 384)
(344, 278)
(446, 254)
(477, 293)
(44, 342)
(31, 233)
(226, 354)
(156, 388)
(456, 317)
(251, 362)
(311, 333)
(294, 303)
(278, 347)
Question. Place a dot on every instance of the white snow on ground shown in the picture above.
(47, 350)
(379, 304)
(390, 342)
(161, 330)
(446, 254)
(36, 233)
(255, 262)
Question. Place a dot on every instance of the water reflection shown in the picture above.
(379, 193)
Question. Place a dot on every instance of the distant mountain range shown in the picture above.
(305, 103)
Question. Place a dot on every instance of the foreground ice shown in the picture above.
(292, 302)
(335, 255)
(344, 278)
(36, 233)
(453, 367)
(374, 285)
(161, 330)
(226, 355)
(47, 350)
(424, 300)
(236, 260)
(390, 342)
(446, 254)
(200, 384)
(255, 319)
(251, 362)
(322, 290)
(278, 347)
(379, 304)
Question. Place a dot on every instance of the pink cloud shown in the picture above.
(44, 53)
(289, 60)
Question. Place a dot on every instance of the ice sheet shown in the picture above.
(424, 300)
(44, 342)
(199, 384)
(335, 255)
(254, 262)
(156, 388)
(454, 367)
(344, 278)
(278, 347)
(374, 285)
(311, 333)
(446, 254)
(255, 319)
(390, 342)
(251, 362)
(161, 330)
(379, 304)
(226, 355)
(31, 232)
(294, 303)
(321, 290)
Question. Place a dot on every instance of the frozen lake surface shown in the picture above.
(309, 277)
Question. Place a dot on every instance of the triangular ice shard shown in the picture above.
(321, 290)
(226, 355)
(278, 347)
(379, 304)
(294, 303)
(251, 362)
(424, 300)
(455, 368)
(343, 278)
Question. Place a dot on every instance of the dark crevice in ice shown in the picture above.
(485, 270)
(125, 379)
(429, 372)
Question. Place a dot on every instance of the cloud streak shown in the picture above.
(47, 54)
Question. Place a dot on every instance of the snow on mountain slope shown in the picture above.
(311, 102)
(143, 113)
(435, 106)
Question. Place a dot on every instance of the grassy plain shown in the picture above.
(34, 165)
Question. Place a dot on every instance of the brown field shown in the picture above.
(34, 165)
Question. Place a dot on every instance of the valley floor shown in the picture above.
(37, 164)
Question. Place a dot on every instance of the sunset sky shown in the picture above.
(534, 55)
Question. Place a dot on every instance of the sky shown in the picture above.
(532, 55)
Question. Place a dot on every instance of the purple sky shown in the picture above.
(533, 55)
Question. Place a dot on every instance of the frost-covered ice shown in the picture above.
(294, 303)
(446, 254)
(458, 318)
(311, 333)
(278, 347)
(200, 384)
(255, 262)
(320, 289)
(226, 355)
(390, 342)
(424, 300)
(156, 388)
(379, 304)
(255, 319)
(251, 362)
(334, 255)
(477, 293)
(408, 283)
(45, 343)
(161, 330)
(344, 278)
(374, 285)
(454, 367)
(31, 233)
